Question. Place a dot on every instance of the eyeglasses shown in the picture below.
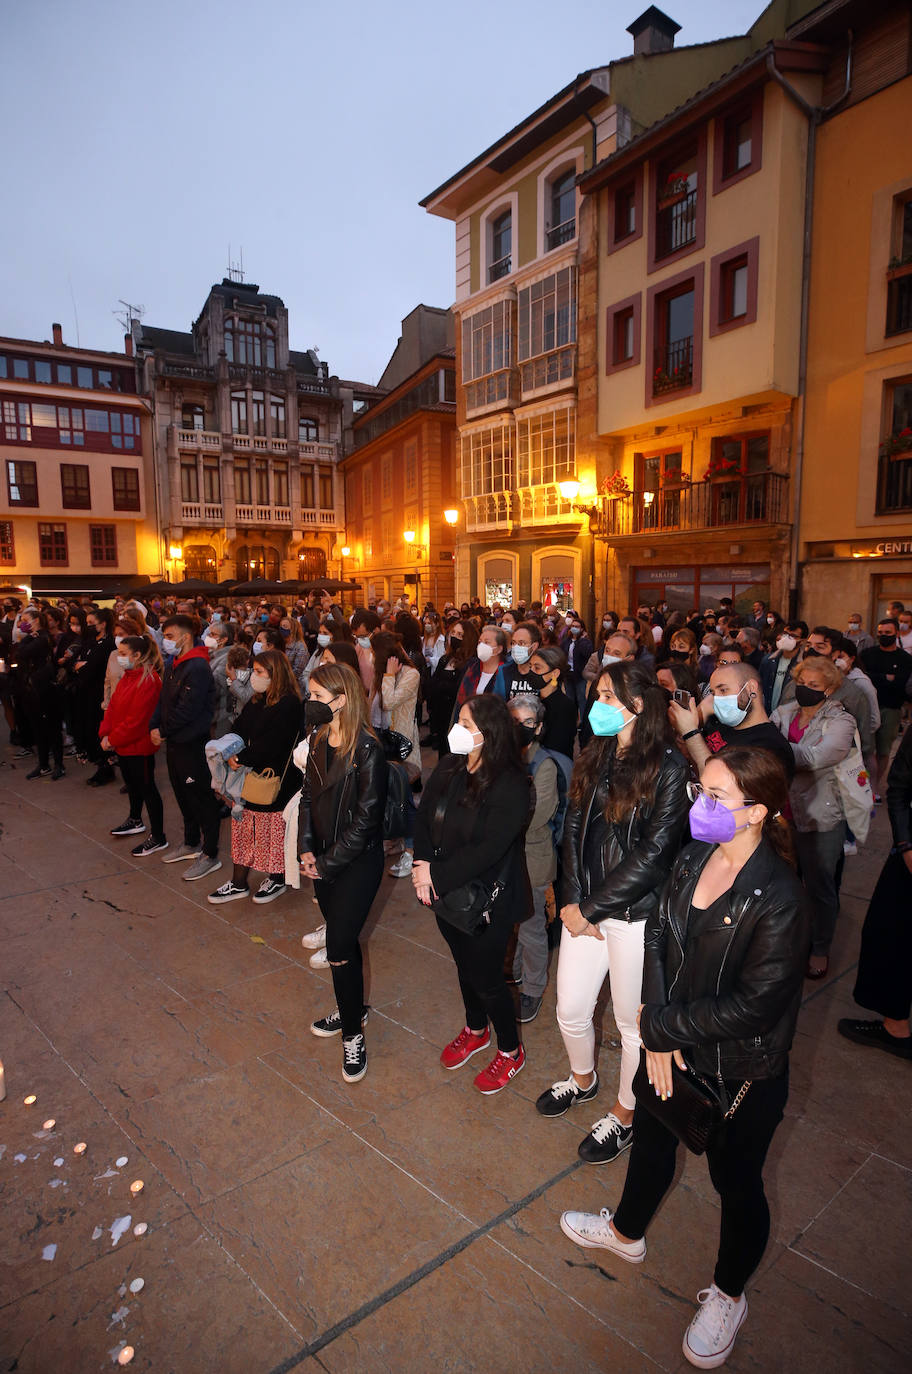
(696, 789)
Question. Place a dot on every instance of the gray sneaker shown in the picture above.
(201, 868)
(183, 851)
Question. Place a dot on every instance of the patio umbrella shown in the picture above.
(194, 586)
(259, 587)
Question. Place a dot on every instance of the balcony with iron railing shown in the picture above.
(721, 502)
(676, 224)
(560, 234)
(500, 268)
(673, 366)
(899, 299)
(894, 481)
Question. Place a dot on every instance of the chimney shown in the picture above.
(653, 32)
(58, 335)
(128, 345)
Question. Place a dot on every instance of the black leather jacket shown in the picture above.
(729, 999)
(342, 805)
(633, 865)
(899, 791)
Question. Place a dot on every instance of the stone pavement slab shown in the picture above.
(403, 1223)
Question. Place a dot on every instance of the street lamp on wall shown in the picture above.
(451, 516)
(570, 488)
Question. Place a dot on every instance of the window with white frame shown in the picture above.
(547, 329)
(487, 354)
(546, 447)
(560, 209)
(487, 461)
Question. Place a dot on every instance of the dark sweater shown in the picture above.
(187, 703)
(879, 664)
(271, 733)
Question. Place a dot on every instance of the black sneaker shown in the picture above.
(330, 1025)
(131, 826)
(354, 1059)
(23, 753)
(149, 846)
(560, 1097)
(529, 1007)
(57, 774)
(875, 1033)
(228, 892)
(38, 773)
(607, 1139)
(268, 890)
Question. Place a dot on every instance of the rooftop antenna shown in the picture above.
(75, 311)
(236, 269)
(129, 315)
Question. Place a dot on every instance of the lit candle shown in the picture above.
(79, 1149)
(126, 1355)
(30, 1100)
(49, 1124)
(140, 1228)
(137, 1187)
(137, 1285)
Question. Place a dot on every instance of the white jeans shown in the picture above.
(581, 971)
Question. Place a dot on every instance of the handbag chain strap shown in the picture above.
(742, 1093)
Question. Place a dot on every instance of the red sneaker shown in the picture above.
(499, 1072)
(467, 1043)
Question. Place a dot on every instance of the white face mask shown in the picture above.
(508, 626)
(485, 651)
(787, 643)
(124, 662)
(170, 646)
(211, 642)
(608, 659)
(259, 681)
(324, 640)
(657, 633)
(842, 664)
(461, 740)
(706, 650)
(259, 648)
(607, 624)
(363, 641)
(770, 620)
(521, 653)
(118, 640)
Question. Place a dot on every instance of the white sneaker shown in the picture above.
(709, 1339)
(592, 1232)
(849, 847)
(403, 866)
(319, 959)
(316, 939)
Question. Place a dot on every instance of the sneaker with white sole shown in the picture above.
(710, 1338)
(183, 851)
(228, 892)
(560, 1097)
(319, 958)
(403, 865)
(131, 826)
(330, 1025)
(201, 868)
(315, 939)
(268, 890)
(607, 1139)
(354, 1059)
(592, 1231)
(150, 845)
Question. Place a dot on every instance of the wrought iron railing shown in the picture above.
(899, 305)
(561, 233)
(676, 225)
(894, 483)
(500, 268)
(756, 498)
(673, 366)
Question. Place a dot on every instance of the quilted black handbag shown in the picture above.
(396, 746)
(696, 1111)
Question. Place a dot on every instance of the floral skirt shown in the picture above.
(258, 841)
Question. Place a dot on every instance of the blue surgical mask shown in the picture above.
(727, 710)
(259, 648)
(606, 719)
(521, 653)
(170, 646)
(363, 641)
(324, 641)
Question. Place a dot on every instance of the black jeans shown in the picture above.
(736, 1170)
(192, 783)
(884, 981)
(479, 963)
(139, 774)
(345, 904)
(46, 728)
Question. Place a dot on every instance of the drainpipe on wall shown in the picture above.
(814, 115)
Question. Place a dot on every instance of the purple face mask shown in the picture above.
(713, 824)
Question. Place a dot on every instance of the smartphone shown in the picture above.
(682, 698)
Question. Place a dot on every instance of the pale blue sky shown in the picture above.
(142, 139)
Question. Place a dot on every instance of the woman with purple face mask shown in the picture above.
(724, 959)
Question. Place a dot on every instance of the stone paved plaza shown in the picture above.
(403, 1223)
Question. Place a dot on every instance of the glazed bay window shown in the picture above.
(561, 210)
(546, 448)
(486, 465)
(487, 354)
(125, 485)
(103, 545)
(546, 313)
(52, 546)
(74, 486)
(21, 483)
(894, 487)
(501, 246)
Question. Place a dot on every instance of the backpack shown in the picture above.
(399, 812)
(564, 771)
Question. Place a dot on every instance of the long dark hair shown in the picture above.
(386, 646)
(500, 752)
(465, 648)
(635, 771)
(761, 777)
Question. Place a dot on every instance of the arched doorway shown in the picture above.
(311, 564)
(258, 560)
(200, 560)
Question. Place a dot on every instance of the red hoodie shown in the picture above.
(126, 721)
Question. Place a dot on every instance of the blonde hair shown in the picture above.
(150, 659)
(282, 681)
(831, 673)
(352, 719)
(295, 634)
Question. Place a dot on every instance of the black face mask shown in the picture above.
(92, 631)
(317, 713)
(680, 655)
(812, 653)
(535, 681)
(808, 696)
(886, 641)
(527, 732)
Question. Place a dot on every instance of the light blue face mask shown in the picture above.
(606, 719)
(727, 710)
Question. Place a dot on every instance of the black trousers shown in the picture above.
(139, 774)
(735, 1167)
(345, 904)
(884, 980)
(45, 727)
(192, 783)
(479, 963)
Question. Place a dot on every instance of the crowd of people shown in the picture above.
(674, 794)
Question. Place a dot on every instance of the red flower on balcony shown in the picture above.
(897, 445)
(720, 467)
(615, 485)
